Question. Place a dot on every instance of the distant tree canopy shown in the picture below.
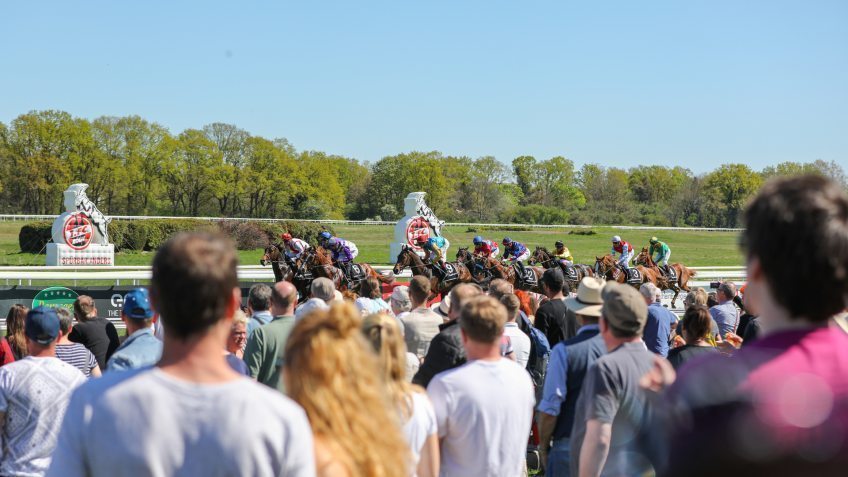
(135, 167)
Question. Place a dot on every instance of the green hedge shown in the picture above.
(151, 234)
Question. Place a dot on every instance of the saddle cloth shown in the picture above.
(571, 273)
(634, 277)
(528, 278)
(356, 272)
(448, 274)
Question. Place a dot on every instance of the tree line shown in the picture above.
(138, 167)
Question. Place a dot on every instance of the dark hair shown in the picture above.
(281, 301)
(553, 279)
(370, 288)
(259, 297)
(712, 299)
(482, 319)
(66, 320)
(15, 322)
(697, 323)
(84, 308)
(194, 275)
(801, 221)
(419, 289)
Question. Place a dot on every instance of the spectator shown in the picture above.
(34, 393)
(446, 350)
(236, 341)
(141, 348)
(552, 318)
(695, 330)
(442, 307)
(400, 302)
(725, 313)
(752, 326)
(770, 391)
(332, 373)
(258, 307)
(613, 412)
(528, 304)
(95, 333)
(265, 346)
(661, 322)
(421, 324)
(74, 354)
(14, 345)
(466, 412)
(371, 298)
(519, 340)
(323, 292)
(698, 296)
(712, 299)
(500, 287)
(411, 401)
(191, 414)
(570, 359)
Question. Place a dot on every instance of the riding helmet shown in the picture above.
(559, 244)
(616, 239)
(654, 240)
(286, 237)
(507, 241)
(325, 235)
(332, 242)
(478, 240)
(421, 239)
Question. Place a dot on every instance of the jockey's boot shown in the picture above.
(520, 268)
(667, 270)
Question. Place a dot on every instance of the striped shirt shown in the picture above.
(77, 356)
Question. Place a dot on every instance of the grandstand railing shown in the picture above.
(24, 217)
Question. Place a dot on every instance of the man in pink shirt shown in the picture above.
(780, 405)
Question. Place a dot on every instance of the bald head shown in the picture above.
(283, 298)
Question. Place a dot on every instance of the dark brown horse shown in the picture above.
(607, 267)
(275, 257)
(408, 258)
(683, 274)
(547, 260)
(491, 268)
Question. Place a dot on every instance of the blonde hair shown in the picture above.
(239, 318)
(333, 374)
(384, 334)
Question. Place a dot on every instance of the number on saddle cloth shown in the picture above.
(357, 273)
(571, 273)
(527, 278)
(634, 277)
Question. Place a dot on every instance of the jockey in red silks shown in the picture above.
(485, 248)
(294, 247)
(625, 251)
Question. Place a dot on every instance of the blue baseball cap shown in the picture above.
(137, 304)
(42, 325)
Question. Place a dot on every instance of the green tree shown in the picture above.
(730, 186)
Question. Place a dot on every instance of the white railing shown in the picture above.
(382, 222)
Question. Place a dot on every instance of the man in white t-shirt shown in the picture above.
(34, 394)
(191, 414)
(484, 408)
(422, 323)
(520, 341)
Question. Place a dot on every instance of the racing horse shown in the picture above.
(543, 257)
(607, 268)
(408, 258)
(275, 257)
(320, 262)
(680, 282)
(491, 268)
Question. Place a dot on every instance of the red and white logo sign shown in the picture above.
(417, 227)
(77, 231)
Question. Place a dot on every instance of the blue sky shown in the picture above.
(694, 82)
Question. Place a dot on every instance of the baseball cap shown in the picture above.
(137, 304)
(588, 301)
(443, 307)
(42, 325)
(624, 308)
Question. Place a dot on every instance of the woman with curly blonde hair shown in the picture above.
(416, 411)
(331, 372)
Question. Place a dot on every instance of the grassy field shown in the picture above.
(694, 248)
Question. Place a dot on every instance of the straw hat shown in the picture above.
(588, 301)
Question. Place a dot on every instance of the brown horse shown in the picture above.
(320, 262)
(547, 260)
(683, 274)
(607, 267)
(491, 268)
(275, 257)
(408, 258)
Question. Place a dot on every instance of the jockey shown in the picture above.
(323, 237)
(626, 251)
(515, 252)
(663, 254)
(436, 248)
(562, 254)
(294, 247)
(343, 252)
(485, 248)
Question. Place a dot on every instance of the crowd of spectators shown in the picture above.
(483, 382)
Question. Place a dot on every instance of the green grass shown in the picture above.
(694, 248)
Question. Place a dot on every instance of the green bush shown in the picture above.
(34, 236)
(151, 234)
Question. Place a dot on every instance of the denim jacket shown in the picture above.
(139, 350)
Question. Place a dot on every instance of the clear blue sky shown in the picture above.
(690, 82)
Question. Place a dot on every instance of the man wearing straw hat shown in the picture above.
(569, 361)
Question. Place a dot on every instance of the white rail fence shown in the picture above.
(15, 217)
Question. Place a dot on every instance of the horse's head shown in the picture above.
(271, 254)
(463, 255)
(540, 255)
(403, 259)
(643, 258)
